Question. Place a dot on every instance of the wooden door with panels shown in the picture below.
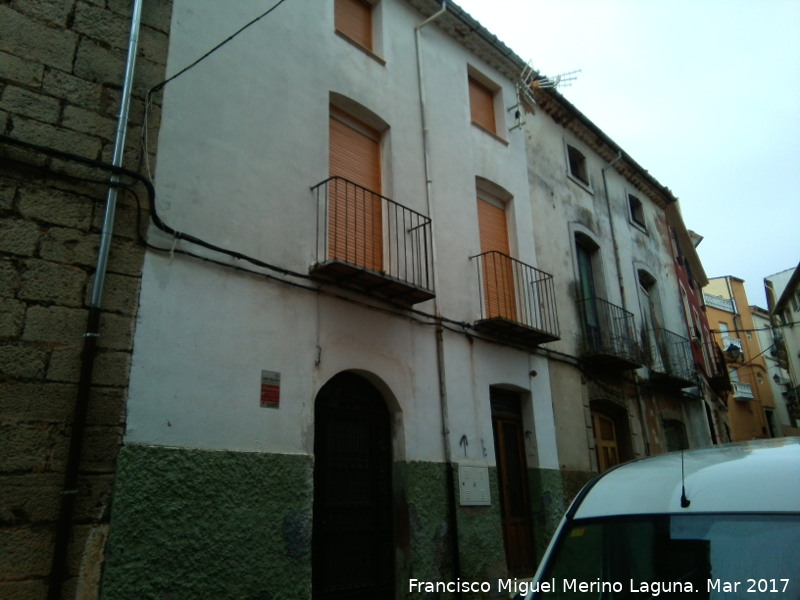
(355, 224)
(512, 475)
(498, 273)
(605, 441)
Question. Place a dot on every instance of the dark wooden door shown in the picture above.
(512, 472)
(353, 548)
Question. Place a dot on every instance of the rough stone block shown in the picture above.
(26, 499)
(112, 369)
(36, 402)
(19, 361)
(126, 256)
(107, 406)
(154, 14)
(65, 365)
(55, 12)
(70, 246)
(8, 190)
(121, 293)
(116, 332)
(35, 448)
(54, 137)
(100, 448)
(98, 64)
(23, 36)
(28, 589)
(104, 26)
(26, 552)
(12, 316)
(18, 236)
(88, 122)
(50, 282)
(73, 89)
(9, 279)
(55, 324)
(35, 105)
(19, 70)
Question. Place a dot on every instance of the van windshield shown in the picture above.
(676, 556)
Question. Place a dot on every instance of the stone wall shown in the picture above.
(61, 72)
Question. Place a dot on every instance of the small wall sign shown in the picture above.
(270, 389)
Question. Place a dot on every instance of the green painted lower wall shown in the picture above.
(190, 524)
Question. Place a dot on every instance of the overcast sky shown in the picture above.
(704, 94)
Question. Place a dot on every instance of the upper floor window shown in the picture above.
(636, 211)
(482, 105)
(577, 165)
(353, 19)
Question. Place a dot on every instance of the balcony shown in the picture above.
(608, 339)
(517, 301)
(742, 391)
(370, 243)
(670, 357)
(719, 380)
(719, 302)
(732, 347)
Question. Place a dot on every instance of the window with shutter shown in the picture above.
(353, 19)
(481, 101)
(355, 232)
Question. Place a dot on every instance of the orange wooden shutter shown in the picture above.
(355, 223)
(498, 273)
(353, 18)
(481, 101)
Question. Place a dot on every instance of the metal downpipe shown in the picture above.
(69, 491)
(440, 358)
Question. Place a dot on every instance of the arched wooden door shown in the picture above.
(353, 547)
(512, 473)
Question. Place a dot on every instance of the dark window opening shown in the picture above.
(577, 165)
(637, 211)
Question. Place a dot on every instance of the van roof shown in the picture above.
(762, 476)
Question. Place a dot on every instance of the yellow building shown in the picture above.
(751, 404)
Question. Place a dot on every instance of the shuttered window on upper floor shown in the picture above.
(481, 102)
(353, 19)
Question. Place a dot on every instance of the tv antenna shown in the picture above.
(530, 80)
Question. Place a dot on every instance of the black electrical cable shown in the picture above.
(158, 86)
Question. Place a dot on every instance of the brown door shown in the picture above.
(354, 216)
(512, 473)
(605, 441)
(498, 278)
(352, 542)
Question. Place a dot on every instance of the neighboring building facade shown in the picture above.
(783, 300)
(603, 227)
(62, 399)
(751, 405)
(769, 339)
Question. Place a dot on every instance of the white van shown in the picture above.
(721, 522)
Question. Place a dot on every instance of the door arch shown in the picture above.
(352, 541)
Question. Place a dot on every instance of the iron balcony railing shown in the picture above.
(516, 292)
(608, 333)
(742, 391)
(719, 302)
(717, 368)
(670, 354)
(367, 230)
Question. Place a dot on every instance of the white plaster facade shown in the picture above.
(244, 137)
